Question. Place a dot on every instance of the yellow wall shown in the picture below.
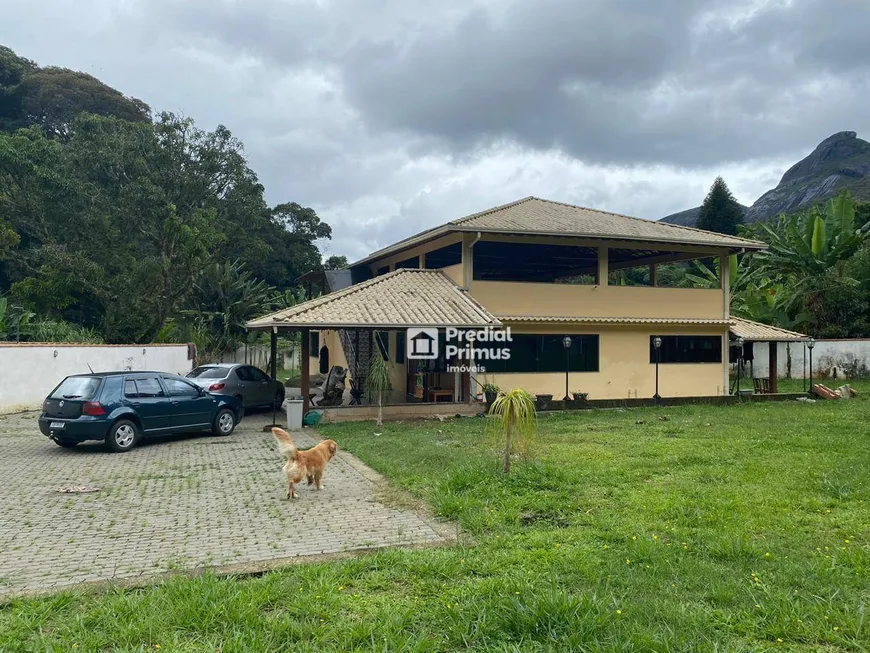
(624, 368)
(553, 299)
(455, 273)
(336, 352)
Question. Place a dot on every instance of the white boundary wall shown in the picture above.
(29, 371)
(842, 359)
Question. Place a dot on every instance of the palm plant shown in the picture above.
(378, 381)
(223, 298)
(812, 250)
(514, 414)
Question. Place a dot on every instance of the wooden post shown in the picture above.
(773, 373)
(273, 352)
(653, 275)
(466, 387)
(304, 381)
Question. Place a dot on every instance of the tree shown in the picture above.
(720, 212)
(812, 260)
(378, 381)
(514, 412)
(335, 263)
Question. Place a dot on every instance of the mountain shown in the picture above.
(840, 162)
(689, 217)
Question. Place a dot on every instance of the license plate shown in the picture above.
(56, 425)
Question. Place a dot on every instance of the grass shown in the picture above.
(698, 528)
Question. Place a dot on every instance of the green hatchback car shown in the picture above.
(121, 408)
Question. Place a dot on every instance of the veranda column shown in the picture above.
(773, 375)
(304, 381)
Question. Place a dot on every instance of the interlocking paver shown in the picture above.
(177, 503)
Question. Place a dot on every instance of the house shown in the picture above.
(545, 270)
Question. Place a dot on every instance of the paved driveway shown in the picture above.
(178, 503)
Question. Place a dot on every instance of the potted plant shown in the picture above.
(580, 397)
(543, 401)
(490, 391)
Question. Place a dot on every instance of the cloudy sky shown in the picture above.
(391, 116)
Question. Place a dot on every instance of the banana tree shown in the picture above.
(817, 242)
(13, 323)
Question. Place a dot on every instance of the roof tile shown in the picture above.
(400, 299)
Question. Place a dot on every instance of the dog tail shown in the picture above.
(285, 444)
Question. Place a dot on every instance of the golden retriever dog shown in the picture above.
(301, 464)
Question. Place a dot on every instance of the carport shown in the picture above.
(393, 302)
(745, 333)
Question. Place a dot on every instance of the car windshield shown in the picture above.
(208, 373)
(77, 387)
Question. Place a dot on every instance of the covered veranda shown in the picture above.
(744, 335)
(388, 304)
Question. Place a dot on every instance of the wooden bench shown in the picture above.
(436, 394)
(762, 386)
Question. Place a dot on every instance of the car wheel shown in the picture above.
(66, 444)
(279, 400)
(123, 436)
(224, 422)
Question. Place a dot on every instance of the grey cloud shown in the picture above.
(609, 81)
(402, 114)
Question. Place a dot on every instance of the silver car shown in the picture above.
(253, 386)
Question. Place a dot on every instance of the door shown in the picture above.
(190, 407)
(243, 385)
(262, 386)
(146, 396)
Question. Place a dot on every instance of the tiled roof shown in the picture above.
(535, 216)
(558, 319)
(400, 299)
(757, 332)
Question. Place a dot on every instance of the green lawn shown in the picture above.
(699, 528)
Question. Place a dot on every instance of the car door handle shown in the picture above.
(136, 404)
(174, 403)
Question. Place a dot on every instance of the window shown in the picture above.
(383, 340)
(444, 257)
(243, 374)
(383, 270)
(545, 353)
(130, 388)
(206, 372)
(149, 388)
(257, 376)
(413, 262)
(77, 387)
(400, 347)
(179, 388)
(313, 343)
(508, 261)
(687, 349)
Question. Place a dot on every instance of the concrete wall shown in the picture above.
(28, 372)
(624, 368)
(258, 356)
(831, 358)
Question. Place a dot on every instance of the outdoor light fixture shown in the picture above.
(657, 343)
(566, 343)
(739, 342)
(810, 344)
